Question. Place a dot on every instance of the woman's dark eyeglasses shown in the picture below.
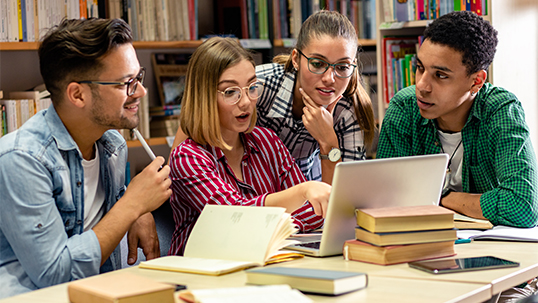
(132, 83)
(318, 66)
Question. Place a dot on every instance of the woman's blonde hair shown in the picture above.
(335, 25)
(199, 117)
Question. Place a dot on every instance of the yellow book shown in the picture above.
(405, 237)
(405, 218)
(229, 238)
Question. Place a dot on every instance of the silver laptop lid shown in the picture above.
(404, 181)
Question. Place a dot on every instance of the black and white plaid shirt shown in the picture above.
(275, 112)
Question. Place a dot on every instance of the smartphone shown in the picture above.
(462, 264)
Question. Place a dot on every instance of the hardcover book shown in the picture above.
(385, 255)
(329, 282)
(406, 237)
(119, 288)
(405, 218)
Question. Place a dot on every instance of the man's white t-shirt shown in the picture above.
(94, 193)
(449, 142)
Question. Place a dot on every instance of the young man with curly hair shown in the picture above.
(451, 109)
(491, 173)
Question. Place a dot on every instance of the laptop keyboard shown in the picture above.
(314, 245)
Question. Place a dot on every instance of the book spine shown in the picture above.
(4, 122)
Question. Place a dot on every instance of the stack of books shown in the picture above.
(394, 235)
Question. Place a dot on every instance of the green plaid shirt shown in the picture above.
(498, 158)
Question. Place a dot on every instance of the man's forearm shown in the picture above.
(111, 229)
(464, 203)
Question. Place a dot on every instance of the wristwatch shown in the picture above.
(334, 155)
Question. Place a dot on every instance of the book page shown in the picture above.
(240, 233)
(259, 294)
(501, 232)
(195, 265)
(460, 217)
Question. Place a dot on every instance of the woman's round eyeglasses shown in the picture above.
(232, 95)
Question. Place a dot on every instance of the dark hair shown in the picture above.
(468, 34)
(71, 51)
(335, 25)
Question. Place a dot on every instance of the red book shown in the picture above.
(356, 250)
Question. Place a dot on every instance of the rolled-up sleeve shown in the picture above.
(31, 222)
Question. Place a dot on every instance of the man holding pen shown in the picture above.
(64, 207)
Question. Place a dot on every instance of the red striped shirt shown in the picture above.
(201, 175)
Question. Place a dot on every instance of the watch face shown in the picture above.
(334, 155)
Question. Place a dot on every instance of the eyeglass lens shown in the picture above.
(233, 94)
(133, 83)
(319, 66)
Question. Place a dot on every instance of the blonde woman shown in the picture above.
(226, 159)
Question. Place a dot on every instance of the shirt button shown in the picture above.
(79, 183)
(39, 225)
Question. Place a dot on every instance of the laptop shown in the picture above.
(404, 181)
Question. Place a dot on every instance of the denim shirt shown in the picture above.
(42, 242)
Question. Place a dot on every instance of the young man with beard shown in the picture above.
(64, 205)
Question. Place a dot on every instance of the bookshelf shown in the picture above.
(19, 63)
(397, 29)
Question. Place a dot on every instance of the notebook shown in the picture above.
(404, 181)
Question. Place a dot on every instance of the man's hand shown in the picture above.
(150, 188)
(143, 234)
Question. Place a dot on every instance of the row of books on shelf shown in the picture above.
(161, 20)
(398, 63)
(249, 19)
(410, 10)
(29, 20)
(20, 107)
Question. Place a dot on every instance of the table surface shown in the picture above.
(393, 283)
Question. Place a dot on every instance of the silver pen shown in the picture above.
(144, 144)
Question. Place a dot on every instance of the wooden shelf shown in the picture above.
(17, 46)
(167, 44)
(152, 141)
(30, 46)
(362, 42)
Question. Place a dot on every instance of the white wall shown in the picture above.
(516, 62)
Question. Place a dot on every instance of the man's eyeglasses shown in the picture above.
(318, 66)
(232, 95)
(132, 83)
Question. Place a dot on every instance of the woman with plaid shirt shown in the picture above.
(313, 98)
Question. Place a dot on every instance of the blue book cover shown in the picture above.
(23, 19)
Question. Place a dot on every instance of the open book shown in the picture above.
(501, 232)
(229, 238)
(464, 222)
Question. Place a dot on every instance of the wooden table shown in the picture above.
(394, 283)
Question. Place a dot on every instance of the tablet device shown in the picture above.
(462, 264)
